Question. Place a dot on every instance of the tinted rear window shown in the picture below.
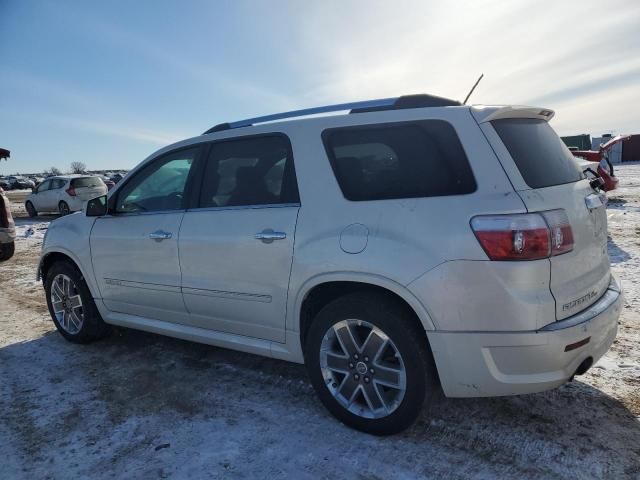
(402, 160)
(542, 158)
(87, 182)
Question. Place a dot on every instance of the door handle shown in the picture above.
(160, 235)
(268, 235)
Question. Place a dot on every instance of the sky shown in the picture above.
(108, 83)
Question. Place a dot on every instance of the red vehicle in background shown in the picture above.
(601, 156)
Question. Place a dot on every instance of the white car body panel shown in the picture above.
(251, 298)
(138, 275)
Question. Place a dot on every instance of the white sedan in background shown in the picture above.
(64, 194)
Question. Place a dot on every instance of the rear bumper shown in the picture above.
(484, 364)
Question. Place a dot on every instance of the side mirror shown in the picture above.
(33, 190)
(97, 207)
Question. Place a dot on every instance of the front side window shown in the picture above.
(251, 171)
(403, 160)
(159, 186)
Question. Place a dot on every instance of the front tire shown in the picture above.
(370, 363)
(7, 250)
(31, 210)
(71, 304)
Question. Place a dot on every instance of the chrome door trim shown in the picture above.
(144, 286)
(249, 297)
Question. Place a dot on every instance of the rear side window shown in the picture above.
(541, 157)
(87, 182)
(57, 183)
(249, 171)
(402, 160)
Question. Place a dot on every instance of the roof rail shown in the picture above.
(394, 103)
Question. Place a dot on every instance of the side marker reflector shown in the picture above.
(573, 346)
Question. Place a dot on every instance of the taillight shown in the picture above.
(526, 236)
(560, 231)
(71, 191)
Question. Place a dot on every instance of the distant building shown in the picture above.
(581, 142)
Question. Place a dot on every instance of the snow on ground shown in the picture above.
(143, 406)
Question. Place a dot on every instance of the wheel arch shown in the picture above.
(320, 290)
(50, 257)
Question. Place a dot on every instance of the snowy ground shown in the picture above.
(142, 406)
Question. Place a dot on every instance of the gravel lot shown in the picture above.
(138, 405)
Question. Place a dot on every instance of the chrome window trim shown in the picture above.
(134, 214)
(244, 207)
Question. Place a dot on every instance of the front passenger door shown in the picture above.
(39, 200)
(135, 247)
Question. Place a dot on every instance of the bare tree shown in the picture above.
(78, 167)
(54, 171)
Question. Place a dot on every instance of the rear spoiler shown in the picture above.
(484, 114)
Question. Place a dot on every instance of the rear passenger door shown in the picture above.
(56, 193)
(236, 243)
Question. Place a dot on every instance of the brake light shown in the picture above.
(71, 191)
(526, 236)
(560, 231)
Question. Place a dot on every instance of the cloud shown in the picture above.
(113, 129)
(576, 57)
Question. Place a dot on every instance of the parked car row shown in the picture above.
(14, 182)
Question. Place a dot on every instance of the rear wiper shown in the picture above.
(597, 183)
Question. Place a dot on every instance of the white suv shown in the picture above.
(64, 194)
(410, 242)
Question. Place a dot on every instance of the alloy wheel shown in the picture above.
(67, 304)
(362, 368)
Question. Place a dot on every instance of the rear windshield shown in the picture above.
(402, 160)
(87, 182)
(542, 158)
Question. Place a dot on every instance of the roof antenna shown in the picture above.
(472, 89)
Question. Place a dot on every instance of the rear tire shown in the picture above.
(71, 304)
(7, 250)
(31, 210)
(63, 208)
(349, 384)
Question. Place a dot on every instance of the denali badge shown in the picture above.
(579, 301)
